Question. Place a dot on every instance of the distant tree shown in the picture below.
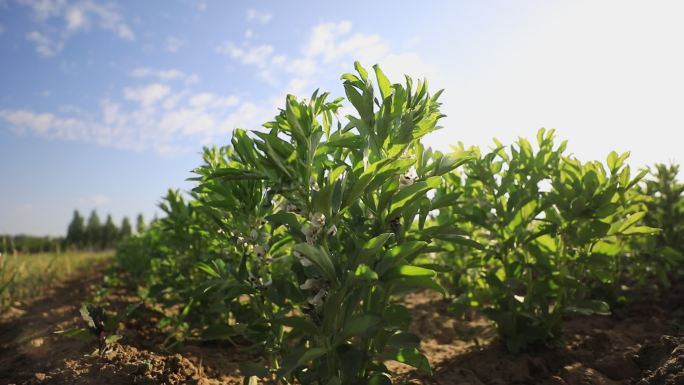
(110, 234)
(93, 230)
(140, 224)
(126, 229)
(76, 232)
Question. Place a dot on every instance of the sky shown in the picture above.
(104, 105)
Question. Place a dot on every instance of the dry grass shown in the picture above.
(23, 277)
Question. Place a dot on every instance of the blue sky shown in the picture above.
(106, 104)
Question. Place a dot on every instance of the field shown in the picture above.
(24, 277)
(632, 345)
(339, 250)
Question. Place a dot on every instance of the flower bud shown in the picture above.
(317, 219)
(317, 300)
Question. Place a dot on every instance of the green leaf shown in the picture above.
(320, 259)
(403, 340)
(365, 273)
(75, 332)
(298, 358)
(417, 282)
(235, 174)
(208, 269)
(383, 82)
(634, 218)
(112, 338)
(407, 271)
(361, 325)
(589, 307)
(298, 323)
(641, 230)
(374, 244)
(412, 357)
(362, 71)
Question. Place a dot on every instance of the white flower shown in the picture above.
(291, 208)
(259, 251)
(311, 233)
(311, 284)
(317, 219)
(317, 300)
(305, 262)
(313, 183)
(253, 281)
(408, 178)
(332, 231)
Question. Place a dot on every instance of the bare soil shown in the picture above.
(641, 344)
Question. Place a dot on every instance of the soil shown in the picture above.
(640, 344)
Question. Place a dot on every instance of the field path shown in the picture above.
(31, 353)
(28, 346)
(643, 341)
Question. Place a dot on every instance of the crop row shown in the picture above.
(300, 238)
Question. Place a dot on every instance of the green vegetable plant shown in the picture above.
(100, 325)
(663, 255)
(331, 213)
(545, 239)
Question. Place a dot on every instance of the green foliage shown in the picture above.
(102, 326)
(543, 235)
(140, 225)
(24, 277)
(299, 239)
(126, 229)
(76, 232)
(662, 255)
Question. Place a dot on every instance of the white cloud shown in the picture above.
(45, 45)
(163, 114)
(75, 19)
(39, 123)
(147, 95)
(258, 16)
(161, 117)
(164, 74)
(331, 48)
(58, 20)
(258, 55)
(173, 44)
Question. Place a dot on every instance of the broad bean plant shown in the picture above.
(544, 231)
(300, 237)
(329, 214)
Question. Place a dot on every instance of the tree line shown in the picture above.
(82, 234)
(95, 235)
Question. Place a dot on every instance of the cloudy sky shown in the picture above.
(106, 104)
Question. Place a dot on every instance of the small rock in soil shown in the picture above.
(578, 374)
